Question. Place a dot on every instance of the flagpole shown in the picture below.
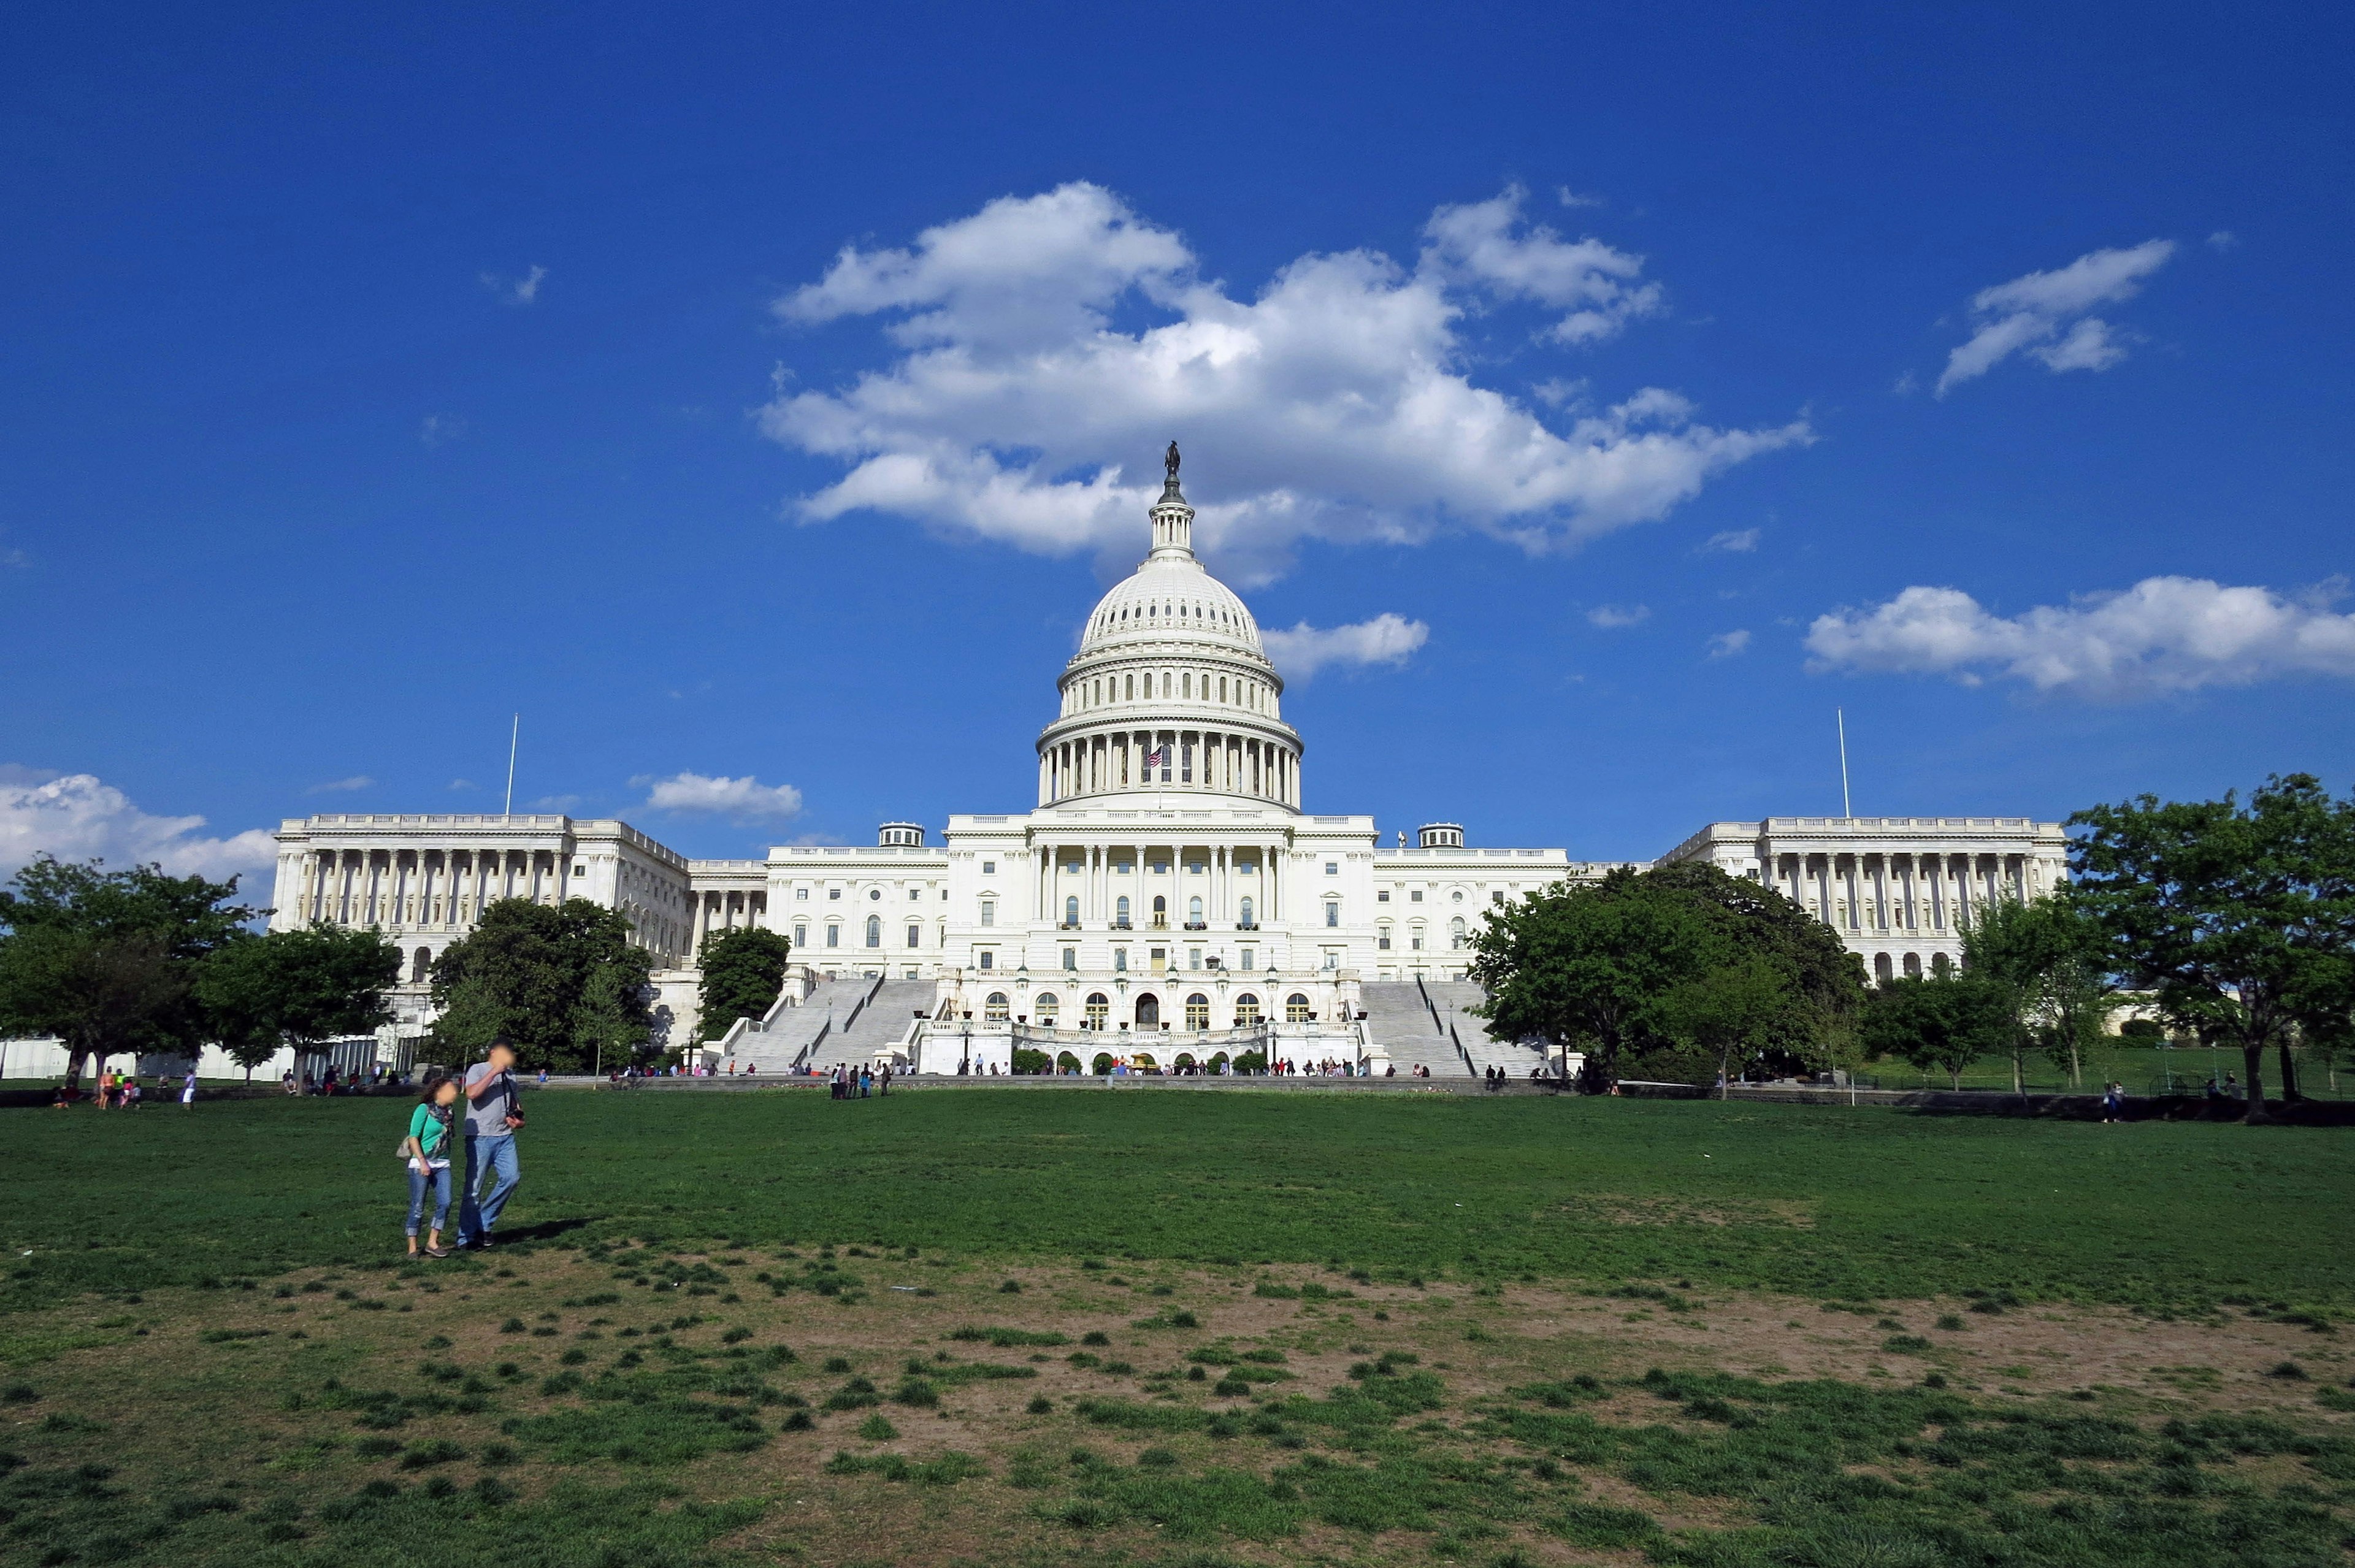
(514, 737)
(1841, 716)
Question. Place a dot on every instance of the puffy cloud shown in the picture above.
(2046, 315)
(2163, 634)
(75, 816)
(1333, 404)
(2224, 240)
(1725, 645)
(743, 800)
(1306, 649)
(1734, 541)
(1610, 617)
(1482, 243)
(333, 787)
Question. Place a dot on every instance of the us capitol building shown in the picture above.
(1168, 899)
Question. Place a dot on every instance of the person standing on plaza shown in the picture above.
(427, 1147)
(493, 1117)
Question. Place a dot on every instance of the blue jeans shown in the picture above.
(496, 1154)
(419, 1181)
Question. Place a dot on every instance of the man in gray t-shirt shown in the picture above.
(492, 1114)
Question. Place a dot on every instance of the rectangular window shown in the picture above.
(801, 895)
(833, 936)
(1382, 897)
(1415, 897)
(1332, 868)
(1070, 959)
(1120, 960)
(1415, 941)
(834, 893)
(1384, 942)
(988, 958)
(801, 937)
(1251, 956)
(1193, 958)
(1159, 958)
(1332, 914)
(989, 868)
(915, 936)
(579, 870)
(988, 912)
(1158, 868)
(1246, 868)
(1185, 763)
(1332, 958)
(1122, 868)
(1132, 689)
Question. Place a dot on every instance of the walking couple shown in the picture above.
(493, 1117)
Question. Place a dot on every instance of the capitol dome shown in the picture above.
(1170, 689)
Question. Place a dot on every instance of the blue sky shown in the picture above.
(758, 400)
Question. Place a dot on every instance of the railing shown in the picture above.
(1160, 923)
(1246, 925)
(860, 1005)
(1122, 925)
(801, 1057)
(1198, 925)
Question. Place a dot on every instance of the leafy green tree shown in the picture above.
(2046, 957)
(2242, 919)
(563, 985)
(744, 971)
(1735, 1012)
(1597, 963)
(106, 961)
(1941, 1021)
(300, 987)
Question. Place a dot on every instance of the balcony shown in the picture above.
(1160, 923)
(1068, 925)
(1121, 925)
(1246, 925)
(1198, 925)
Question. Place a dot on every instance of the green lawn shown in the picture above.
(1823, 1201)
(2144, 1069)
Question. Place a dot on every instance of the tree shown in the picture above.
(301, 988)
(106, 960)
(2240, 918)
(744, 971)
(2046, 955)
(1597, 962)
(562, 985)
(1735, 1012)
(1944, 1021)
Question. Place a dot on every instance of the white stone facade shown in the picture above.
(1168, 875)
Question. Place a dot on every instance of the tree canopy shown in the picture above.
(107, 961)
(562, 983)
(296, 987)
(1681, 966)
(744, 971)
(2240, 918)
(1942, 1022)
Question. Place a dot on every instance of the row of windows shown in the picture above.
(1098, 690)
(1157, 610)
(1157, 868)
(1120, 911)
(1414, 896)
(874, 933)
(1457, 935)
(834, 895)
(1158, 959)
(1096, 1011)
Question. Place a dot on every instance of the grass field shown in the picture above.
(1170, 1328)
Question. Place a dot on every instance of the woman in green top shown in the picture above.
(427, 1149)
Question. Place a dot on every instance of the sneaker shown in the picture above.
(483, 1241)
(437, 1251)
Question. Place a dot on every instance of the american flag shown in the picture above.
(1157, 758)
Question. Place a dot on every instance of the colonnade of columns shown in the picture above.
(403, 888)
(1169, 759)
(1903, 890)
(718, 911)
(1230, 878)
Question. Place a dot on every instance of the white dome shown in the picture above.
(1172, 599)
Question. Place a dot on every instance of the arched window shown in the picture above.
(874, 930)
(1148, 1011)
(1296, 1008)
(1939, 964)
(1455, 934)
(1160, 909)
(1194, 914)
(1914, 965)
(1131, 684)
(1071, 911)
(421, 965)
(1120, 914)
(1247, 922)
(994, 1006)
(1197, 1011)
(1246, 1011)
(1881, 967)
(1099, 1010)
(1048, 1006)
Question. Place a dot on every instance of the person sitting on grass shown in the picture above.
(427, 1147)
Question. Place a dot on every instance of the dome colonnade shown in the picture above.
(1170, 689)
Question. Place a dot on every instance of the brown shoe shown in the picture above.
(437, 1251)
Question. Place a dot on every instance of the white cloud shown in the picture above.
(744, 800)
(1482, 243)
(2224, 240)
(2163, 634)
(2029, 314)
(1725, 645)
(556, 803)
(516, 291)
(1306, 649)
(1334, 404)
(1733, 541)
(463, 783)
(358, 781)
(435, 430)
(1611, 616)
(74, 816)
